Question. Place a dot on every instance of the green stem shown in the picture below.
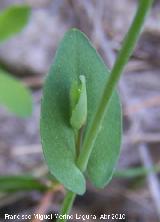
(122, 58)
(67, 205)
(70, 196)
(78, 139)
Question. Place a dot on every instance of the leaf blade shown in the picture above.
(14, 95)
(106, 149)
(13, 183)
(12, 20)
(57, 136)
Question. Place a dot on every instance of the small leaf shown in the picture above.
(20, 183)
(78, 97)
(16, 97)
(12, 20)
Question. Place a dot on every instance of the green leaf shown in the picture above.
(106, 149)
(14, 183)
(136, 172)
(12, 20)
(76, 57)
(16, 97)
(78, 98)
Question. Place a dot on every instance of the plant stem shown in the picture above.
(122, 58)
(78, 139)
(70, 196)
(67, 205)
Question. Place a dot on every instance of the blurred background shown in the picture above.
(135, 188)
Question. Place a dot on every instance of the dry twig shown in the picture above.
(47, 200)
